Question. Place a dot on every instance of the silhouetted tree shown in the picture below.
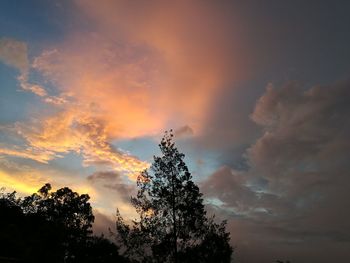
(26, 237)
(173, 226)
(98, 249)
(67, 211)
(10, 216)
(51, 227)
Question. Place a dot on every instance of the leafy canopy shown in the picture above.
(51, 226)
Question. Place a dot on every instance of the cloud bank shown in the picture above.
(293, 197)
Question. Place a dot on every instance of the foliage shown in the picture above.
(55, 226)
(51, 227)
(173, 226)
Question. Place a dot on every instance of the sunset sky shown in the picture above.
(257, 93)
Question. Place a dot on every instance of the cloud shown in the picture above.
(34, 88)
(73, 131)
(116, 192)
(112, 180)
(150, 66)
(14, 53)
(232, 190)
(19, 177)
(26, 178)
(302, 129)
(295, 189)
(125, 77)
(183, 131)
(102, 224)
(104, 176)
(55, 100)
(38, 155)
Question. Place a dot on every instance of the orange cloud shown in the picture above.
(158, 67)
(75, 131)
(11, 183)
(138, 70)
(27, 180)
(29, 153)
(35, 88)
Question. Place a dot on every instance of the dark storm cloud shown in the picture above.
(295, 191)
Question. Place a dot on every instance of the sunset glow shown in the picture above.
(257, 95)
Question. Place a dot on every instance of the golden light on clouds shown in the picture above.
(88, 87)
(37, 155)
(159, 67)
(74, 131)
(10, 183)
(125, 77)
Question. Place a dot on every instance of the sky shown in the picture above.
(256, 92)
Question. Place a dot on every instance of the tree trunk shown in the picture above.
(174, 218)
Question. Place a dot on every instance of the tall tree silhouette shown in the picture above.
(173, 226)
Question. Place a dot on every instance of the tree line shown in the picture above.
(173, 226)
(51, 227)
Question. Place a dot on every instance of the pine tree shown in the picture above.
(173, 226)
